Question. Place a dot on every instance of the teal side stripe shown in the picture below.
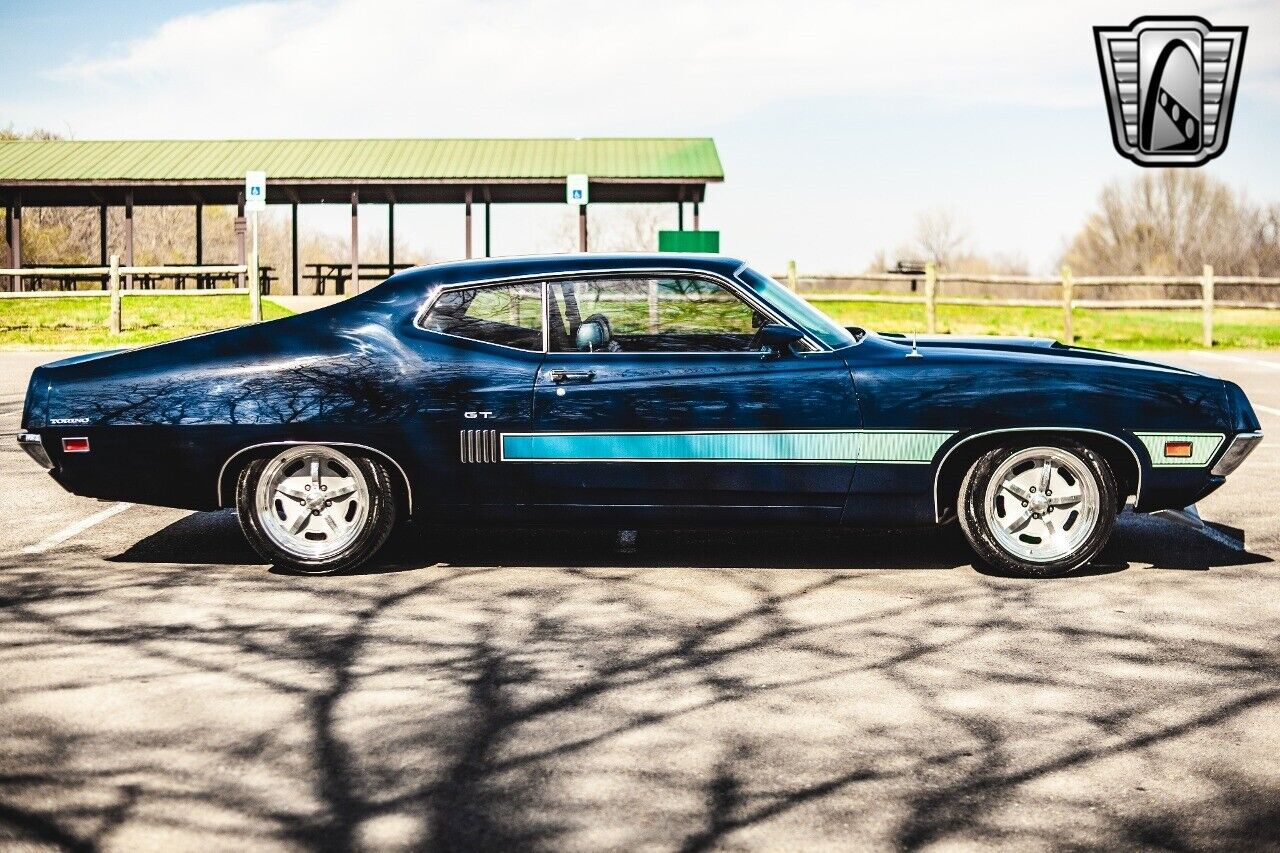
(834, 446)
(1203, 446)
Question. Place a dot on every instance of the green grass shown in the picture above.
(80, 322)
(1238, 328)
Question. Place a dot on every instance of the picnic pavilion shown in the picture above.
(463, 172)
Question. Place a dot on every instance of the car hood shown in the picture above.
(997, 345)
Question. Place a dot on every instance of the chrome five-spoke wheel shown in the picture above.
(1038, 510)
(316, 509)
(312, 501)
(1041, 504)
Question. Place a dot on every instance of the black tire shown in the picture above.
(377, 526)
(977, 524)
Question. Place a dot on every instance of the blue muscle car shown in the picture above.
(630, 390)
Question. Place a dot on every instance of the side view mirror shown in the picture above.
(776, 339)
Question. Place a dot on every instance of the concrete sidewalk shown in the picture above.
(299, 304)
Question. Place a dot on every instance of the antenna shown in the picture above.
(915, 353)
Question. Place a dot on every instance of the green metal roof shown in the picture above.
(355, 159)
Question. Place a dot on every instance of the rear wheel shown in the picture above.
(1038, 511)
(315, 510)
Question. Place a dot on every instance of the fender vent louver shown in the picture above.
(479, 445)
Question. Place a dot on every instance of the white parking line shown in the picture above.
(1261, 408)
(75, 529)
(1239, 359)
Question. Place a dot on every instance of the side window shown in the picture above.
(649, 315)
(510, 315)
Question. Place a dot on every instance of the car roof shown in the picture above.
(485, 269)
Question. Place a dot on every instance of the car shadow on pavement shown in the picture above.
(214, 538)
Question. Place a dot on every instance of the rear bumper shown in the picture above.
(31, 443)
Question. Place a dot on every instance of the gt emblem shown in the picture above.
(474, 415)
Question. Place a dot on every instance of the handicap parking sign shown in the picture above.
(255, 191)
(576, 189)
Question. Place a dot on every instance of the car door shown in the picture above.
(655, 396)
(476, 354)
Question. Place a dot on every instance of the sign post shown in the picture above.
(255, 199)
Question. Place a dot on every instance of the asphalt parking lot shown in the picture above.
(160, 689)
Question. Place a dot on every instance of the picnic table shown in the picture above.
(148, 281)
(340, 274)
(62, 282)
(205, 281)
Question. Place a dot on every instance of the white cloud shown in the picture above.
(796, 92)
(563, 67)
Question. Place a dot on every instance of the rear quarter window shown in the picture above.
(508, 315)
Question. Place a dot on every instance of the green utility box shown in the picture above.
(689, 241)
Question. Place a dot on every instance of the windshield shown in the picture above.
(809, 318)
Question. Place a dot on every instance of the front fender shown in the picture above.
(976, 392)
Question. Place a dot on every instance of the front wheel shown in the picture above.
(1038, 511)
(314, 510)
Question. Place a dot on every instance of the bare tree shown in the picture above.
(940, 237)
(1172, 222)
(613, 227)
(633, 227)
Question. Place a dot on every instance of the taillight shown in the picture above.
(75, 445)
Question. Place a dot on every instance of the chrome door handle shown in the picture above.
(559, 376)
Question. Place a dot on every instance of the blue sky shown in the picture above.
(837, 122)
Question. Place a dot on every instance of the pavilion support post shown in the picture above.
(355, 241)
(240, 229)
(199, 244)
(293, 246)
(695, 216)
(8, 239)
(102, 235)
(391, 238)
(679, 216)
(128, 239)
(468, 224)
(487, 246)
(15, 243)
(582, 228)
(199, 235)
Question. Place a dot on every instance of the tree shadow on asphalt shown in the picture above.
(584, 700)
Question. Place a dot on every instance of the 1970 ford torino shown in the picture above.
(629, 390)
